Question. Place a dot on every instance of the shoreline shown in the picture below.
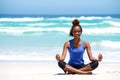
(116, 63)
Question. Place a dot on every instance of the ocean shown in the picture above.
(36, 38)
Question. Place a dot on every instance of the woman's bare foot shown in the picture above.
(81, 72)
(84, 72)
(87, 72)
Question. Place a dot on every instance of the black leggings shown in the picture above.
(93, 64)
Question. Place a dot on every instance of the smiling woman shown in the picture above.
(76, 48)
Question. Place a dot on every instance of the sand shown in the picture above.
(50, 71)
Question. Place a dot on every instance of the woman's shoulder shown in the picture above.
(67, 44)
(86, 43)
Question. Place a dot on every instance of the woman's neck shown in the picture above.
(76, 40)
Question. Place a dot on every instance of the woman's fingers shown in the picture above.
(57, 57)
(100, 57)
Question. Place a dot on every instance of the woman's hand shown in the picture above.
(100, 57)
(57, 57)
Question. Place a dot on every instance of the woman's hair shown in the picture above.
(75, 23)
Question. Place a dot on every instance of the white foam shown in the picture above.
(41, 24)
(101, 31)
(57, 18)
(93, 18)
(91, 31)
(111, 44)
(113, 23)
(106, 44)
(20, 19)
(22, 30)
(80, 18)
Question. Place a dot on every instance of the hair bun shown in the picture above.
(75, 22)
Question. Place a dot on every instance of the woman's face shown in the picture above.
(76, 32)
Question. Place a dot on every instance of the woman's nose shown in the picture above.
(77, 33)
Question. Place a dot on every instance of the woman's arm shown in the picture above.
(65, 48)
(89, 52)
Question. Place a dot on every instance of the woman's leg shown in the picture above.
(86, 68)
(91, 66)
(70, 69)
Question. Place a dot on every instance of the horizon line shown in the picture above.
(61, 14)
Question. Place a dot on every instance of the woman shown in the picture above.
(76, 48)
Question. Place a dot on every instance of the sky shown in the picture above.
(59, 7)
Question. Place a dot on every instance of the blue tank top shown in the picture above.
(76, 54)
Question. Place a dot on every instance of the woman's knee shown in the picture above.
(62, 65)
(94, 64)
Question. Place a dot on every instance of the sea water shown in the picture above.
(41, 37)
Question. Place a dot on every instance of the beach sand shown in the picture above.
(51, 71)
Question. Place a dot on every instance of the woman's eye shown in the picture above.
(76, 31)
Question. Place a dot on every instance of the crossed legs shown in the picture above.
(71, 70)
